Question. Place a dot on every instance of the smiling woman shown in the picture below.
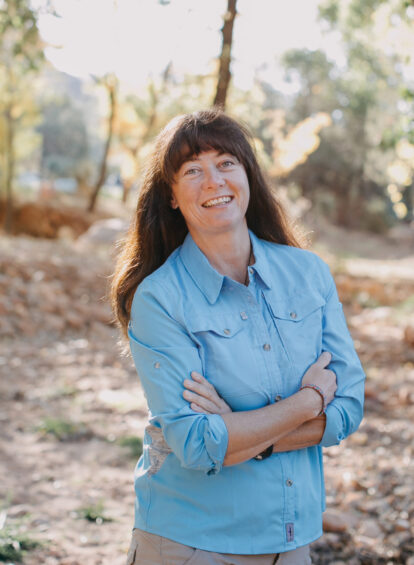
(229, 324)
(212, 192)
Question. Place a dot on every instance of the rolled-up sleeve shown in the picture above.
(345, 412)
(164, 355)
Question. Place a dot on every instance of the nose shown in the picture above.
(213, 178)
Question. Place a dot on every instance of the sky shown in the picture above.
(137, 38)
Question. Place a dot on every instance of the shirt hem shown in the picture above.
(237, 549)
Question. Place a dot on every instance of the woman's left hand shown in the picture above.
(203, 396)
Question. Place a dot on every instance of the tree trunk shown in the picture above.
(224, 74)
(111, 86)
(343, 201)
(126, 189)
(408, 200)
(10, 161)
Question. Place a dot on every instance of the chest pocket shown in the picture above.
(298, 320)
(228, 359)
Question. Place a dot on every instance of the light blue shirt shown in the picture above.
(254, 344)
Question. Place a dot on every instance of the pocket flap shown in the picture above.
(296, 307)
(224, 326)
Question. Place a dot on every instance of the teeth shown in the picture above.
(215, 201)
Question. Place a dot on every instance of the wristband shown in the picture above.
(321, 394)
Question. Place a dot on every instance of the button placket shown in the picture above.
(271, 376)
(252, 312)
(280, 349)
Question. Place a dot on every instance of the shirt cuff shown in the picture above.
(216, 440)
(333, 433)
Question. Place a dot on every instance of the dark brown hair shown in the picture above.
(157, 229)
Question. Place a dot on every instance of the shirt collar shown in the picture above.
(261, 264)
(210, 281)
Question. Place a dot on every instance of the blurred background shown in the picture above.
(327, 88)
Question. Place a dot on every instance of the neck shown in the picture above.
(228, 252)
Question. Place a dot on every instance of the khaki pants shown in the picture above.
(150, 549)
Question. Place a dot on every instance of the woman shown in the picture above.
(232, 328)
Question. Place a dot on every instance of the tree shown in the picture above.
(21, 54)
(64, 137)
(137, 123)
(110, 83)
(140, 117)
(378, 41)
(350, 169)
(224, 74)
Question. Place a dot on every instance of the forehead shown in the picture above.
(188, 145)
(213, 153)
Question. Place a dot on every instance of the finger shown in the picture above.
(193, 385)
(198, 377)
(332, 374)
(204, 388)
(324, 359)
(224, 407)
(201, 401)
(198, 408)
(201, 389)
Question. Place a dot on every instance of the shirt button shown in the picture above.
(266, 346)
(157, 365)
(293, 315)
(243, 315)
(250, 270)
(289, 482)
(278, 397)
(226, 331)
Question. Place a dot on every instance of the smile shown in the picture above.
(217, 201)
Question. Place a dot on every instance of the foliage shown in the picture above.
(62, 430)
(133, 443)
(14, 542)
(64, 137)
(358, 155)
(141, 115)
(21, 53)
(20, 43)
(94, 513)
(345, 136)
(14, 545)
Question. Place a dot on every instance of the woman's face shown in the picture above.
(212, 192)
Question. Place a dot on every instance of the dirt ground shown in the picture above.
(69, 402)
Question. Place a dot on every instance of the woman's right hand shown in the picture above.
(203, 397)
(317, 374)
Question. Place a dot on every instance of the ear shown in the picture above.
(173, 203)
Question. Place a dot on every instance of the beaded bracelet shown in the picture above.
(321, 394)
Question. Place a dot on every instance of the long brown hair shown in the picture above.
(157, 229)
